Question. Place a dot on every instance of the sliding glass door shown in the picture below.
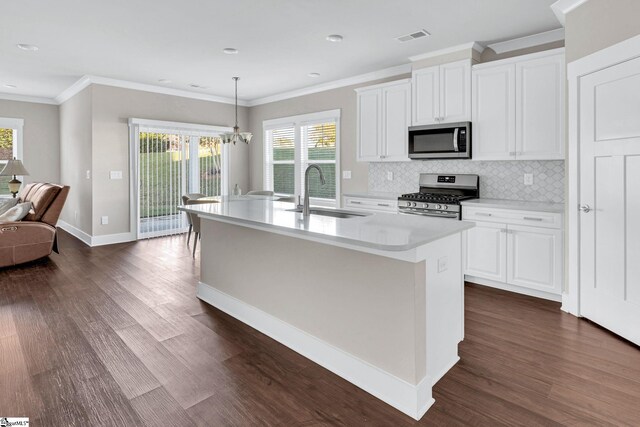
(172, 161)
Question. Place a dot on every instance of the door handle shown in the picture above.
(585, 208)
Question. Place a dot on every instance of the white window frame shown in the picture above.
(297, 122)
(163, 126)
(17, 125)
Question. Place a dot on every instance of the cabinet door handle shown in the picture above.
(482, 214)
(355, 202)
(504, 230)
(512, 153)
(383, 204)
(532, 218)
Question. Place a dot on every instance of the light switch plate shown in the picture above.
(104, 220)
(389, 176)
(528, 179)
(115, 174)
(88, 174)
(346, 174)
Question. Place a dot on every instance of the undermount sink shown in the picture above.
(331, 212)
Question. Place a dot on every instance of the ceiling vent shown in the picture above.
(413, 36)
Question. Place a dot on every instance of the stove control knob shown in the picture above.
(426, 205)
(445, 207)
(415, 204)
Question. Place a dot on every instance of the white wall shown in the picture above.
(344, 99)
(598, 24)
(112, 108)
(41, 138)
(75, 159)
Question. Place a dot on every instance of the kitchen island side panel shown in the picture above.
(363, 304)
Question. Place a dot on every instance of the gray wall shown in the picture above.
(112, 108)
(75, 159)
(343, 98)
(598, 24)
(41, 138)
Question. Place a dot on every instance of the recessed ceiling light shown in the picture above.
(30, 47)
(336, 38)
(10, 86)
(164, 81)
(313, 75)
(230, 50)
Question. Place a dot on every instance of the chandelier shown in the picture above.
(236, 135)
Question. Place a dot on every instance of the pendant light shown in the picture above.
(236, 135)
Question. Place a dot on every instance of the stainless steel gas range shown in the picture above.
(440, 195)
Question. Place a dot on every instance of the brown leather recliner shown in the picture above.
(35, 236)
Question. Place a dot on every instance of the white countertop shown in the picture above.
(379, 231)
(375, 195)
(515, 205)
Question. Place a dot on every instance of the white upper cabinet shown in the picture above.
(540, 109)
(493, 127)
(384, 116)
(442, 93)
(518, 108)
(369, 125)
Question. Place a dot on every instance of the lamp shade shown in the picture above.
(14, 167)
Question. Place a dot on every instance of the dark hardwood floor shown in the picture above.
(115, 336)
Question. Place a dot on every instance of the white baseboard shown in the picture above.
(413, 400)
(75, 232)
(108, 239)
(512, 288)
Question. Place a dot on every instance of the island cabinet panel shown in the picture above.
(388, 321)
(384, 115)
(521, 251)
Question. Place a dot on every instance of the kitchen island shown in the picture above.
(376, 299)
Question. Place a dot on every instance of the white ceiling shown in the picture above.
(280, 41)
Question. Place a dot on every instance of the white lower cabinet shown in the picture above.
(485, 249)
(370, 204)
(501, 252)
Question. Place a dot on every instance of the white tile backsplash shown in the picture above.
(498, 179)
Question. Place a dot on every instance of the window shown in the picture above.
(292, 144)
(10, 147)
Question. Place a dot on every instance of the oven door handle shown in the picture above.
(455, 140)
(434, 215)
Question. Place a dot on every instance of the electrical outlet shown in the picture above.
(104, 220)
(443, 264)
(346, 174)
(389, 176)
(528, 179)
(115, 175)
(88, 174)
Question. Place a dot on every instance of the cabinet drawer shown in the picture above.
(516, 217)
(379, 205)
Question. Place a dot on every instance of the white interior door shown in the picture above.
(610, 198)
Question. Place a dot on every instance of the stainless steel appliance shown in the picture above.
(443, 141)
(440, 195)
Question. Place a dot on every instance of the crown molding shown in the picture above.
(562, 7)
(27, 98)
(528, 41)
(73, 90)
(471, 45)
(349, 81)
(87, 80)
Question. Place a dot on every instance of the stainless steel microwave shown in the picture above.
(442, 141)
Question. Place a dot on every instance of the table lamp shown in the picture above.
(14, 167)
